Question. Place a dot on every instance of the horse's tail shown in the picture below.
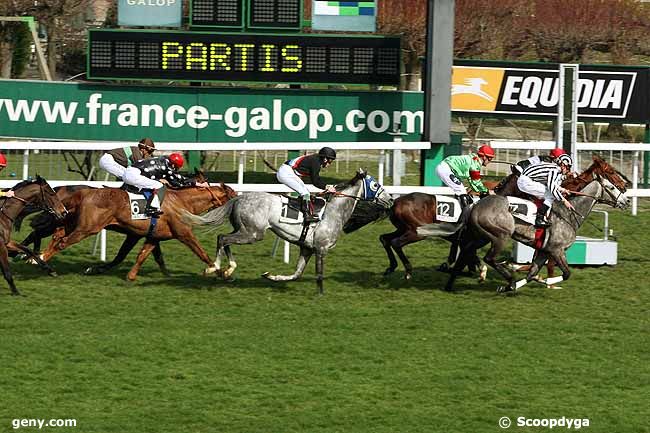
(215, 217)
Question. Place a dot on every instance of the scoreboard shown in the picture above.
(252, 14)
(203, 56)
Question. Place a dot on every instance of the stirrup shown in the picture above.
(542, 223)
(311, 218)
(153, 212)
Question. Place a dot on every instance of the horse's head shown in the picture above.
(373, 191)
(614, 182)
(42, 194)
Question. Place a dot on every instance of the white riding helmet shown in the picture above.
(564, 159)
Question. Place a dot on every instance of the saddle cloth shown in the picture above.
(291, 214)
(524, 210)
(448, 208)
(138, 203)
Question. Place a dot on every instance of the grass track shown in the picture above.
(191, 354)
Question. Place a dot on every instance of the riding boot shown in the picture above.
(150, 210)
(307, 208)
(465, 201)
(540, 220)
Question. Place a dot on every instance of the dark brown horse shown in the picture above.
(36, 192)
(95, 209)
(409, 212)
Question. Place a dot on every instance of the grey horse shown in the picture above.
(252, 214)
(490, 221)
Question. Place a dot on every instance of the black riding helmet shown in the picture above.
(327, 152)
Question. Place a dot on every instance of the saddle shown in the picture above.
(138, 202)
(291, 213)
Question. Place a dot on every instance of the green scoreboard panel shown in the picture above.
(200, 56)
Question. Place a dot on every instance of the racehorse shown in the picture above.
(490, 221)
(109, 208)
(251, 214)
(36, 192)
(415, 210)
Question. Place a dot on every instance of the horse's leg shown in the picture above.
(398, 243)
(64, 242)
(305, 255)
(15, 246)
(386, 240)
(128, 244)
(158, 257)
(239, 237)
(560, 260)
(498, 244)
(320, 269)
(142, 256)
(4, 263)
(533, 271)
(466, 251)
(187, 237)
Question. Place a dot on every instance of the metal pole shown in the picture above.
(287, 251)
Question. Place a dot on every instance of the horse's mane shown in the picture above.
(358, 175)
(22, 184)
(364, 213)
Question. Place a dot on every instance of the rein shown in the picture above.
(214, 197)
(2, 209)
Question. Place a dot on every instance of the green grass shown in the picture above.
(193, 354)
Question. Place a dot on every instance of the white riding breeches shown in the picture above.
(108, 163)
(287, 176)
(133, 176)
(450, 179)
(536, 189)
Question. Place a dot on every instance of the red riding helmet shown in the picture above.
(3, 160)
(555, 153)
(176, 159)
(486, 150)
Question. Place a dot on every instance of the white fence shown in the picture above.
(242, 148)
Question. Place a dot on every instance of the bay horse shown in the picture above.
(44, 225)
(98, 208)
(490, 222)
(37, 192)
(252, 214)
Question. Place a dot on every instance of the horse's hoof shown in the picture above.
(505, 289)
(92, 270)
(267, 275)
(166, 273)
(388, 271)
(444, 267)
(408, 277)
(53, 274)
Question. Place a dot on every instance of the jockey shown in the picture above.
(151, 174)
(3, 164)
(519, 167)
(544, 181)
(291, 171)
(117, 160)
(456, 168)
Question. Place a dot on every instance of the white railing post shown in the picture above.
(635, 181)
(25, 164)
(380, 169)
(287, 251)
(102, 249)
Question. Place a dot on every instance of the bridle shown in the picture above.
(43, 204)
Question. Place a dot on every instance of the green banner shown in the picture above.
(72, 111)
